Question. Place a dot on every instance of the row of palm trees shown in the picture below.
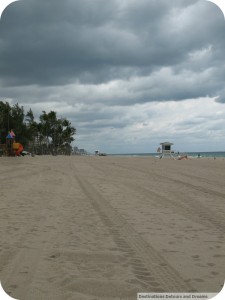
(48, 135)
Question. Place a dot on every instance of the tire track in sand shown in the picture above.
(148, 265)
(194, 209)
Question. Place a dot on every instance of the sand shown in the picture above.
(91, 228)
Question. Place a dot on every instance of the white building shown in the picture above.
(166, 149)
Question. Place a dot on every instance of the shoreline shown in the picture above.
(189, 154)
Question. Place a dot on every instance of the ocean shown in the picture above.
(190, 154)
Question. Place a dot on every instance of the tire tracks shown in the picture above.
(148, 265)
(195, 210)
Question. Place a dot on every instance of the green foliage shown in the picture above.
(50, 135)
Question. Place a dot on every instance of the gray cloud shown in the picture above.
(55, 42)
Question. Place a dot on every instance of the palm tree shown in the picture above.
(51, 134)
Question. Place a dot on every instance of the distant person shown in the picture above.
(183, 157)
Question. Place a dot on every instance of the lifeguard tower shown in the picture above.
(166, 149)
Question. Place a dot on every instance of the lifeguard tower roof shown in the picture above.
(166, 143)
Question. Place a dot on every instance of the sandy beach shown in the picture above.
(90, 228)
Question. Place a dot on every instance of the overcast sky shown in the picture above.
(128, 74)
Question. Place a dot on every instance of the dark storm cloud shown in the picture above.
(51, 42)
(54, 43)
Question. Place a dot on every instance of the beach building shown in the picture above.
(166, 149)
(78, 151)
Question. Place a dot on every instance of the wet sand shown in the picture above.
(91, 228)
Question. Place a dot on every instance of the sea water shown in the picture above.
(190, 154)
